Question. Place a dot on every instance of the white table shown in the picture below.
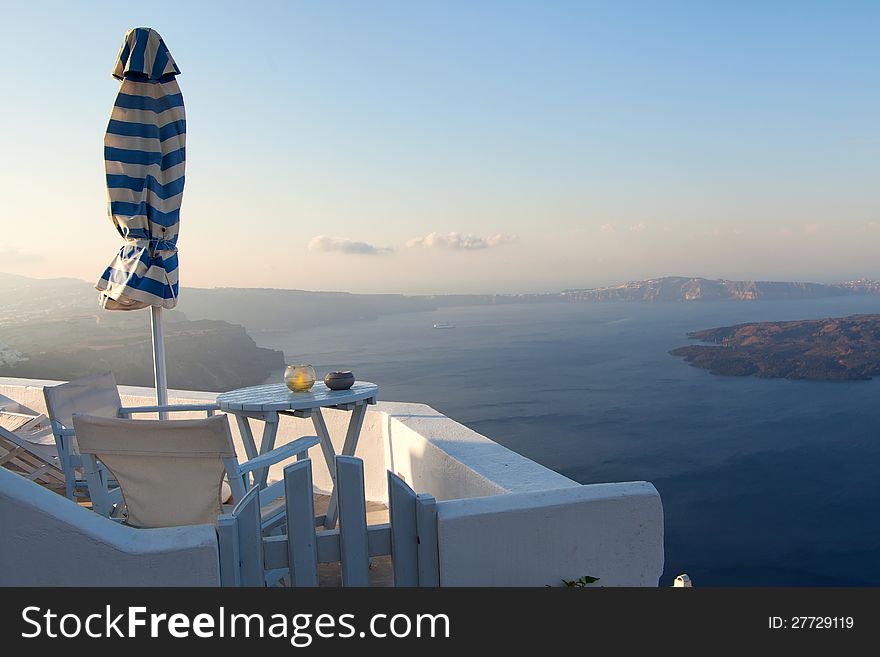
(267, 402)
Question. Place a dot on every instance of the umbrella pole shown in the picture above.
(159, 359)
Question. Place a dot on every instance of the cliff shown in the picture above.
(200, 355)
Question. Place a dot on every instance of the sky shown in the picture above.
(431, 147)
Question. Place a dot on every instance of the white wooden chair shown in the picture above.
(93, 395)
(170, 472)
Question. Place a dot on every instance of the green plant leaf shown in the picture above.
(579, 583)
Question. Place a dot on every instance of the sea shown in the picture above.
(764, 482)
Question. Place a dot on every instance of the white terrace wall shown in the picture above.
(538, 538)
(437, 455)
(47, 540)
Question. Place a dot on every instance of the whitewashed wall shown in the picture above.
(47, 540)
(610, 531)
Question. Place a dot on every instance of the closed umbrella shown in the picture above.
(144, 159)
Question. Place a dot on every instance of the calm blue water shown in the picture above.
(764, 482)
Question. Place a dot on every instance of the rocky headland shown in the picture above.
(835, 349)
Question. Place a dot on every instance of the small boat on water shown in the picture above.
(443, 325)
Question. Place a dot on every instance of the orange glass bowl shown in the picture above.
(299, 378)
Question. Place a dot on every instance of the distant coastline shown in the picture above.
(266, 310)
(53, 328)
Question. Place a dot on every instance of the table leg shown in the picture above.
(351, 440)
(247, 436)
(267, 444)
(354, 429)
(326, 446)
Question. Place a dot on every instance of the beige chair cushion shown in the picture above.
(170, 471)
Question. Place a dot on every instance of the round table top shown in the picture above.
(278, 397)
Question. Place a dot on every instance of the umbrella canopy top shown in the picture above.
(144, 53)
(144, 160)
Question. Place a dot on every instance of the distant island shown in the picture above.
(838, 349)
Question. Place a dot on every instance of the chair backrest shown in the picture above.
(170, 471)
(95, 395)
(91, 395)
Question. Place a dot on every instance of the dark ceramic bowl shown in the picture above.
(339, 380)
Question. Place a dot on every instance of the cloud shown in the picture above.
(611, 229)
(459, 242)
(326, 244)
(12, 254)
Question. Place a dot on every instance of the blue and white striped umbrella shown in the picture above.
(144, 158)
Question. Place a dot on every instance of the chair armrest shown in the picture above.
(168, 408)
(279, 454)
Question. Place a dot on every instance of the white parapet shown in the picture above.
(47, 540)
(610, 531)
